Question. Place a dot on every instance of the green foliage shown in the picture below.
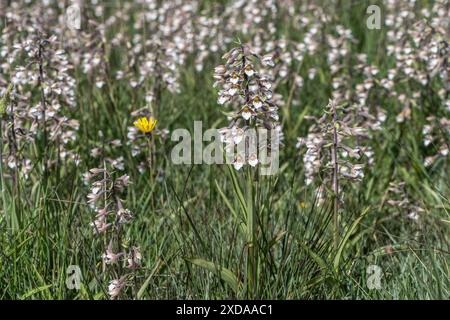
(197, 211)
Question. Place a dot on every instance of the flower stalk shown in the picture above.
(147, 127)
(118, 263)
(334, 159)
(249, 91)
(252, 254)
(40, 61)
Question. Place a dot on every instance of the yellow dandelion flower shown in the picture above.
(146, 125)
(302, 205)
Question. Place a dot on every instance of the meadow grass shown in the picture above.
(182, 221)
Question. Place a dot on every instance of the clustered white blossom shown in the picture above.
(434, 137)
(420, 48)
(400, 200)
(38, 51)
(250, 94)
(164, 33)
(320, 140)
(418, 61)
(35, 62)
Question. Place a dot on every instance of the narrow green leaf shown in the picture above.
(34, 291)
(277, 238)
(231, 208)
(317, 259)
(347, 235)
(225, 274)
(147, 281)
(237, 190)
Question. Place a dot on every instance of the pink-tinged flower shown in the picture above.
(257, 103)
(243, 82)
(253, 160)
(237, 134)
(267, 60)
(233, 90)
(134, 258)
(124, 215)
(115, 287)
(92, 197)
(109, 257)
(103, 212)
(231, 136)
(234, 79)
(100, 225)
(219, 70)
(238, 162)
(246, 113)
(254, 87)
(222, 99)
(249, 71)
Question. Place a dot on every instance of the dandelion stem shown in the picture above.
(151, 156)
